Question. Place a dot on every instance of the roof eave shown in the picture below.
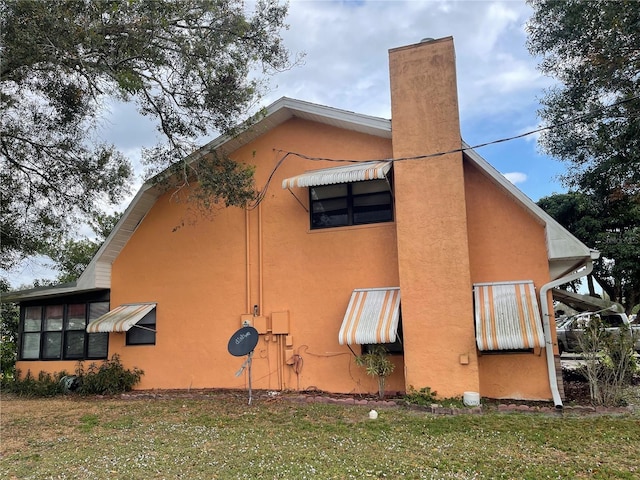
(43, 293)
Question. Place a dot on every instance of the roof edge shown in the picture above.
(561, 244)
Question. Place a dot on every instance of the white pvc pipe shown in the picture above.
(546, 324)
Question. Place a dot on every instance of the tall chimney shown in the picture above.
(433, 252)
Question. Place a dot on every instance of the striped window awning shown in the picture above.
(507, 316)
(120, 319)
(372, 317)
(356, 172)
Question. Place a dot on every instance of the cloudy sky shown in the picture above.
(345, 66)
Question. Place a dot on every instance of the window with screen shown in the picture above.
(58, 332)
(346, 204)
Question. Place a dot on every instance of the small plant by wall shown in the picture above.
(423, 397)
(377, 364)
(108, 378)
(44, 385)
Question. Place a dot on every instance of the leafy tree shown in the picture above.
(9, 320)
(591, 47)
(73, 256)
(186, 64)
(613, 228)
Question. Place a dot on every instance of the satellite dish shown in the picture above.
(243, 342)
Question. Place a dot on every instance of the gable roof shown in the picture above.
(565, 251)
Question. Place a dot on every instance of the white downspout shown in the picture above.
(546, 324)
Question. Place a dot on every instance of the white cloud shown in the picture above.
(516, 177)
(532, 137)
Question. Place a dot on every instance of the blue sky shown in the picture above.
(345, 66)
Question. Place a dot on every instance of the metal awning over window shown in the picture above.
(507, 316)
(356, 172)
(120, 319)
(371, 317)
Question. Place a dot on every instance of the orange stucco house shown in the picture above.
(367, 233)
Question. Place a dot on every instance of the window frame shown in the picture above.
(351, 199)
(48, 329)
(146, 335)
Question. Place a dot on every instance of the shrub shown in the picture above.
(46, 385)
(422, 397)
(609, 362)
(377, 364)
(108, 378)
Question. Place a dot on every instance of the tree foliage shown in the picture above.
(188, 65)
(613, 228)
(593, 49)
(377, 364)
(9, 320)
(72, 256)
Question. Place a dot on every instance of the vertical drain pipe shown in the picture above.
(260, 260)
(247, 259)
(546, 324)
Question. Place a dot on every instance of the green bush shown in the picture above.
(46, 385)
(108, 378)
(422, 397)
(609, 362)
(377, 364)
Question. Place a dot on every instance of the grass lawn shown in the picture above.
(219, 436)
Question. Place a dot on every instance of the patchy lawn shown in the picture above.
(219, 436)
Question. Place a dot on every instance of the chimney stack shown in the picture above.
(431, 218)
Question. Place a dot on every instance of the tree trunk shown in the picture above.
(381, 382)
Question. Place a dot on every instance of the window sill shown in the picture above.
(350, 227)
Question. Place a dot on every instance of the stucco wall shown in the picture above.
(210, 271)
(506, 243)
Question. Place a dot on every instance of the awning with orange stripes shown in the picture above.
(356, 172)
(372, 317)
(507, 316)
(120, 319)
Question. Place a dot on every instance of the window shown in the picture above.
(144, 331)
(612, 321)
(74, 334)
(55, 332)
(347, 204)
(98, 343)
(31, 333)
(52, 332)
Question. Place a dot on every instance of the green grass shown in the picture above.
(221, 437)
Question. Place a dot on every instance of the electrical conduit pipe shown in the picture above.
(546, 324)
